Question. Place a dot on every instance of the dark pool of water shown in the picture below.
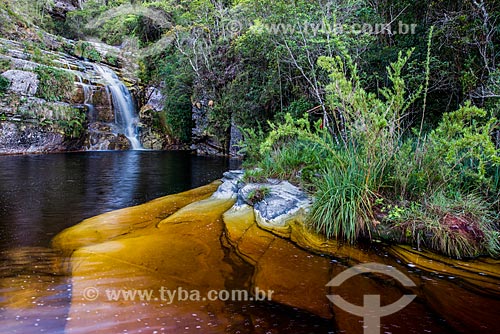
(40, 195)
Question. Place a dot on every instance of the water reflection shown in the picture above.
(41, 195)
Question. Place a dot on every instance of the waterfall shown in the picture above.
(123, 104)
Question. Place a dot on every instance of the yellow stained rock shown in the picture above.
(175, 243)
(482, 273)
(27, 276)
(296, 277)
(182, 251)
(121, 222)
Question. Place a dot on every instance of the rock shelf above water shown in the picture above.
(203, 241)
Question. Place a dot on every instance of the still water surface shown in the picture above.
(40, 195)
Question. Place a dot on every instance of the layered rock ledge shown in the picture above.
(226, 236)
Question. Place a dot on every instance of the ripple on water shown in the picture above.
(34, 291)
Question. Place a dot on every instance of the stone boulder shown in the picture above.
(283, 203)
(103, 136)
(231, 183)
(60, 8)
(22, 82)
(155, 98)
(28, 138)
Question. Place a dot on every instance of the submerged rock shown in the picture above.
(118, 223)
(177, 254)
(297, 277)
(192, 242)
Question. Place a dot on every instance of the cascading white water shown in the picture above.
(125, 114)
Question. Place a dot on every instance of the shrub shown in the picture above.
(4, 84)
(441, 185)
(55, 84)
(86, 50)
(257, 195)
(463, 141)
(343, 199)
(250, 145)
(256, 175)
(5, 64)
(460, 226)
(73, 124)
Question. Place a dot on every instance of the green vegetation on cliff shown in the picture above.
(55, 84)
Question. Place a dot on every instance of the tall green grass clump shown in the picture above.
(344, 193)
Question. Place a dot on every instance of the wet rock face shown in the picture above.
(22, 82)
(152, 133)
(60, 8)
(102, 105)
(90, 95)
(16, 138)
(236, 138)
(206, 144)
(156, 100)
(102, 136)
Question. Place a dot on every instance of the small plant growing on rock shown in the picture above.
(4, 65)
(257, 195)
(254, 176)
(55, 84)
(4, 84)
(86, 50)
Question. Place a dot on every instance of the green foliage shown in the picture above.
(114, 22)
(55, 84)
(296, 108)
(4, 84)
(463, 140)
(256, 175)
(250, 145)
(219, 121)
(257, 195)
(343, 199)
(376, 157)
(458, 226)
(86, 50)
(111, 59)
(5, 64)
(73, 124)
(367, 119)
(458, 155)
(177, 90)
(40, 57)
(32, 12)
